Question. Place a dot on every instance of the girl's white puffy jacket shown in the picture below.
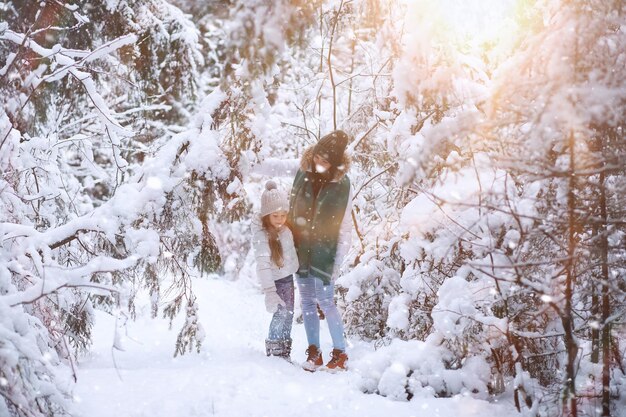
(266, 270)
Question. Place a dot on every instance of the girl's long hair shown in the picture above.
(276, 249)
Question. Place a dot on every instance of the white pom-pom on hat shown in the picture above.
(270, 185)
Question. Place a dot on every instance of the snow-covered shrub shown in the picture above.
(368, 287)
(407, 369)
(32, 382)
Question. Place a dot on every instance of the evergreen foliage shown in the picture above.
(488, 186)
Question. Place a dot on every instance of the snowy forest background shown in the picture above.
(488, 178)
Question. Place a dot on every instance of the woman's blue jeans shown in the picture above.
(280, 326)
(314, 292)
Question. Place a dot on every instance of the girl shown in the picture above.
(276, 263)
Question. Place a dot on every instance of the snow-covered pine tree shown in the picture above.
(565, 147)
(477, 250)
(93, 179)
(420, 251)
(251, 45)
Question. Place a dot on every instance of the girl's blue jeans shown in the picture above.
(280, 326)
(314, 292)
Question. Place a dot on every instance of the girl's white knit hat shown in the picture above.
(273, 199)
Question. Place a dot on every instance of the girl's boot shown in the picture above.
(274, 347)
(286, 345)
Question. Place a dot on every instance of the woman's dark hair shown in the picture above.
(276, 249)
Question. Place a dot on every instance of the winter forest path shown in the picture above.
(231, 376)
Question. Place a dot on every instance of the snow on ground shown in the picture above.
(232, 376)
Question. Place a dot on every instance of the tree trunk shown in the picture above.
(606, 306)
(569, 389)
(596, 343)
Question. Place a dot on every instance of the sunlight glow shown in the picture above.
(468, 25)
(478, 21)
